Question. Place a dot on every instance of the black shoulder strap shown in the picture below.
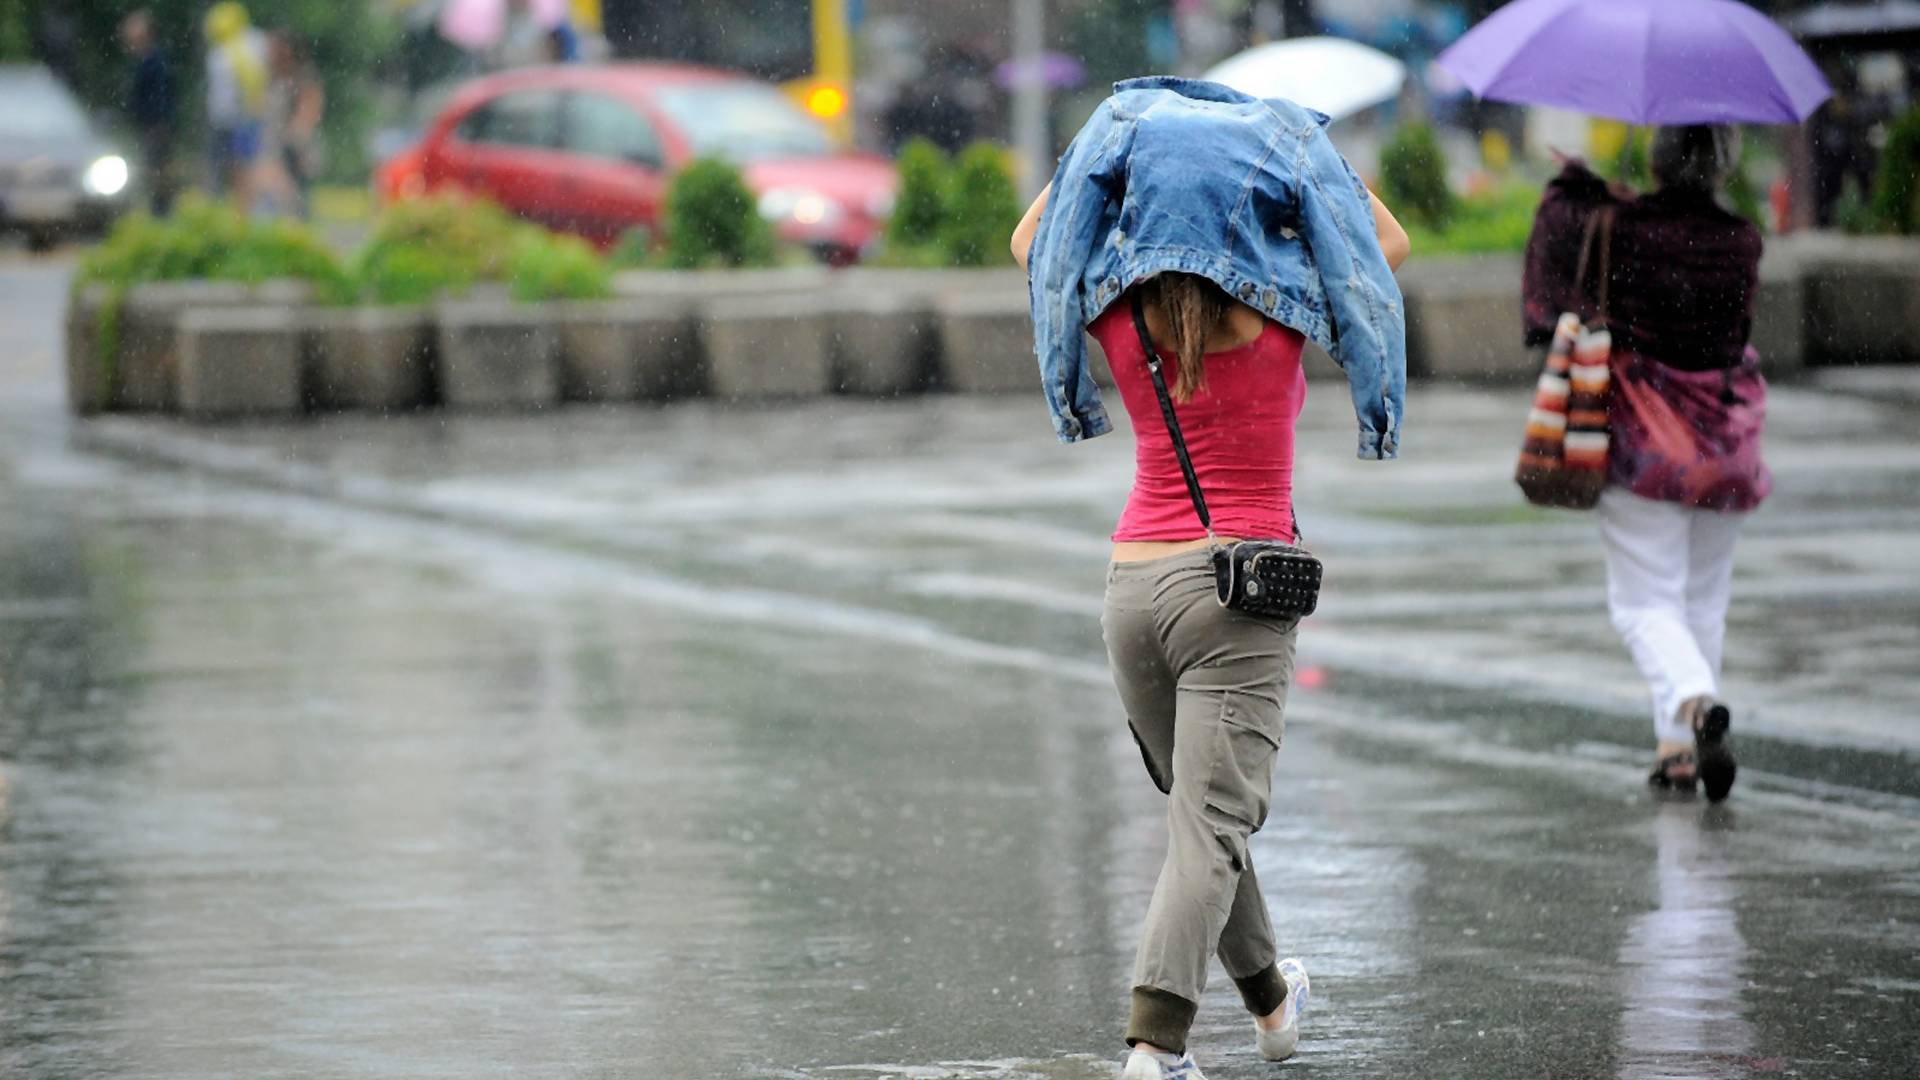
(1173, 422)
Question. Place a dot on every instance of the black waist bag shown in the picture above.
(1268, 578)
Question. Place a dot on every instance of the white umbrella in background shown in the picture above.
(1334, 75)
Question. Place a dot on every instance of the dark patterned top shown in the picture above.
(1684, 271)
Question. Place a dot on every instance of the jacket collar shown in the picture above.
(1205, 90)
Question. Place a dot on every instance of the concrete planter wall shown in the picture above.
(378, 358)
(720, 284)
(1780, 332)
(986, 342)
(239, 362)
(1864, 309)
(497, 356)
(626, 349)
(1463, 319)
(770, 334)
(148, 367)
(90, 376)
(770, 347)
(882, 342)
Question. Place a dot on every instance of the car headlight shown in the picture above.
(106, 176)
(801, 206)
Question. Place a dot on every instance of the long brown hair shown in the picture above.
(1193, 307)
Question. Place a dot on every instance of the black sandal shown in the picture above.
(1663, 774)
(1712, 752)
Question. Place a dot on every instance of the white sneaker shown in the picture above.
(1142, 1065)
(1279, 1043)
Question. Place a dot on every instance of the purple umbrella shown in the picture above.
(1057, 71)
(1642, 61)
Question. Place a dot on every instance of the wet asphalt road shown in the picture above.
(472, 784)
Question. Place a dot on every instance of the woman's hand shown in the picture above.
(1394, 243)
(1023, 232)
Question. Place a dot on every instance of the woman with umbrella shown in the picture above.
(1679, 288)
(1673, 283)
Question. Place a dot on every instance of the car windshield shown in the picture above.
(38, 108)
(742, 122)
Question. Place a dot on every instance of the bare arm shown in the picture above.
(1393, 239)
(1023, 232)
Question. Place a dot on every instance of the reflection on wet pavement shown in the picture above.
(1684, 964)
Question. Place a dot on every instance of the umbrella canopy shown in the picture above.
(1336, 76)
(1642, 61)
(479, 24)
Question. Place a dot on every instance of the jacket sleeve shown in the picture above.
(1363, 299)
(1063, 244)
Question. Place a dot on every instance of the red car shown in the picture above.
(590, 149)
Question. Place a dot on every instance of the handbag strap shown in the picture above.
(1173, 421)
(1599, 226)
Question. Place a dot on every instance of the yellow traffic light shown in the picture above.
(826, 101)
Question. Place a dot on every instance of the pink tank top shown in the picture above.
(1239, 432)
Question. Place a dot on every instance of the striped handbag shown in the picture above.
(1563, 461)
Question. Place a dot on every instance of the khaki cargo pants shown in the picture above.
(1204, 689)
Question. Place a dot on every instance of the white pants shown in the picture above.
(1669, 577)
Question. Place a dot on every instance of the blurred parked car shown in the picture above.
(591, 149)
(57, 175)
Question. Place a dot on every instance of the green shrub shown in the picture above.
(1497, 221)
(1745, 197)
(1896, 187)
(920, 207)
(201, 240)
(549, 266)
(982, 208)
(210, 241)
(634, 249)
(396, 274)
(713, 219)
(1413, 172)
(424, 248)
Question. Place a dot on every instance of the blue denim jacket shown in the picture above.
(1179, 174)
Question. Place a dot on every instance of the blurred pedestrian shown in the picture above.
(1843, 149)
(1688, 404)
(236, 101)
(531, 37)
(1145, 240)
(296, 105)
(150, 105)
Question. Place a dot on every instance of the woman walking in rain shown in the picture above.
(1203, 233)
(1688, 404)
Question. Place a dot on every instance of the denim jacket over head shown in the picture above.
(1183, 175)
